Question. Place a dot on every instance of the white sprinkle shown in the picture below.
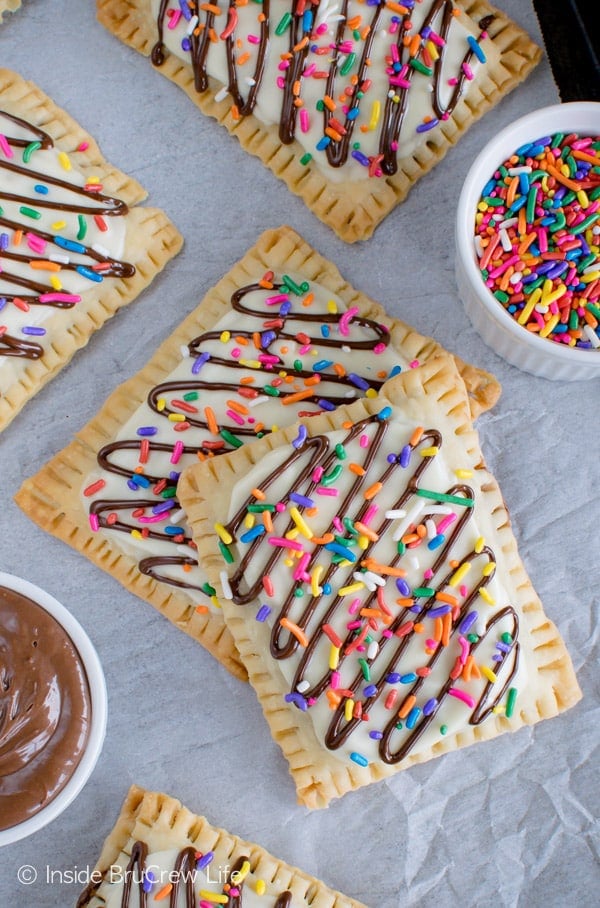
(394, 515)
(592, 267)
(176, 515)
(346, 349)
(414, 562)
(301, 686)
(370, 577)
(509, 222)
(226, 586)
(505, 240)
(478, 246)
(192, 25)
(515, 171)
(361, 578)
(591, 336)
(431, 529)
(60, 259)
(256, 401)
(250, 81)
(349, 394)
(410, 518)
(221, 94)
(373, 650)
(184, 350)
(515, 278)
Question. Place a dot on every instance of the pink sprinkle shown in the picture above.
(431, 644)
(59, 298)
(280, 542)
(174, 18)
(453, 81)
(428, 574)
(345, 320)
(83, 146)
(467, 71)
(369, 514)
(463, 589)
(309, 70)
(354, 625)
(304, 120)
(280, 507)
(394, 53)
(8, 152)
(338, 524)
(327, 490)
(464, 650)
(177, 451)
(437, 39)
(461, 695)
(317, 473)
(354, 606)
(300, 572)
(304, 348)
(253, 39)
(335, 680)
(414, 364)
(279, 298)
(445, 522)
(235, 417)
(155, 518)
(283, 65)
(387, 633)
(280, 82)
(364, 441)
(267, 585)
(236, 352)
(379, 348)
(94, 523)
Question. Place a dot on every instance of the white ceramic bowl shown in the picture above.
(501, 332)
(97, 688)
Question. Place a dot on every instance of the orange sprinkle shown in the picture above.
(522, 223)
(524, 246)
(404, 601)
(295, 630)
(446, 626)
(296, 88)
(378, 568)
(437, 629)
(570, 184)
(247, 380)
(414, 45)
(329, 103)
(211, 421)
(267, 521)
(415, 438)
(301, 44)
(293, 398)
(17, 237)
(313, 380)
(366, 531)
(446, 597)
(332, 134)
(512, 191)
(322, 540)
(202, 609)
(235, 112)
(238, 408)
(308, 299)
(339, 369)
(42, 265)
(334, 699)
(347, 424)
(418, 627)
(211, 8)
(357, 469)
(373, 490)
(164, 892)
(407, 706)
(259, 494)
(354, 22)
(584, 156)
(213, 36)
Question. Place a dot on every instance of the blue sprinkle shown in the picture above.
(395, 371)
(327, 588)
(307, 20)
(370, 690)
(325, 330)
(340, 550)
(352, 114)
(504, 647)
(146, 430)
(322, 364)
(253, 533)
(358, 380)
(356, 757)
(385, 413)
(425, 127)
(325, 404)
(411, 719)
(263, 613)
(139, 482)
(409, 678)
(71, 245)
(323, 143)
(474, 45)
(2, 302)
(91, 275)
(42, 190)
(174, 531)
(436, 542)
(391, 458)
(524, 182)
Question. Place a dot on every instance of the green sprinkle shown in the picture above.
(340, 452)
(283, 23)
(530, 209)
(506, 638)
(442, 496)
(225, 552)
(271, 391)
(492, 202)
(578, 228)
(319, 105)
(510, 701)
(559, 223)
(33, 146)
(356, 34)
(399, 726)
(420, 67)
(298, 289)
(298, 365)
(401, 547)
(366, 671)
(595, 310)
(595, 193)
(298, 592)
(472, 638)
(168, 493)
(191, 395)
(348, 64)
(306, 159)
(583, 263)
(443, 729)
(501, 296)
(423, 591)
(349, 526)
(260, 508)
(208, 589)
(533, 285)
(82, 227)
(557, 140)
(30, 212)
(331, 477)
(231, 438)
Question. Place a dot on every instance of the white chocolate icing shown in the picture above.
(269, 96)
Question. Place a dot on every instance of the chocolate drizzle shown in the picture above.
(406, 59)
(167, 398)
(181, 877)
(305, 467)
(95, 264)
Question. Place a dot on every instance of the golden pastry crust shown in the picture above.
(351, 209)
(163, 823)
(8, 6)
(52, 498)
(430, 396)
(151, 241)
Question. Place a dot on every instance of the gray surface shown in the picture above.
(510, 822)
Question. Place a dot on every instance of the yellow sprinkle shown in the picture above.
(351, 588)
(530, 305)
(249, 363)
(348, 709)
(223, 534)
(334, 657)
(498, 709)
(176, 417)
(288, 562)
(58, 225)
(249, 521)
(433, 52)
(332, 307)
(461, 572)
(548, 298)
(463, 474)
(589, 277)
(136, 534)
(479, 544)
(238, 876)
(64, 160)
(215, 602)
(486, 596)
(161, 403)
(213, 897)
(550, 325)
(430, 451)
(291, 534)
(225, 336)
(371, 393)
(363, 542)
(261, 887)
(375, 112)
(582, 198)
(488, 673)
(314, 580)
(489, 568)
(301, 523)
(56, 282)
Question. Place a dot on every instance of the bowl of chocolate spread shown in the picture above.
(52, 708)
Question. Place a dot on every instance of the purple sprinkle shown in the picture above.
(32, 330)
(132, 485)
(393, 677)
(360, 157)
(439, 611)
(503, 647)
(174, 475)
(300, 437)
(263, 613)
(405, 456)
(267, 337)
(302, 499)
(425, 127)
(358, 380)
(186, 44)
(2, 302)
(199, 362)
(468, 621)
(391, 458)
(163, 506)
(297, 699)
(146, 430)
(148, 881)
(497, 657)
(205, 860)
(430, 707)
(370, 690)
(3, 241)
(402, 586)
(376, 735)
(285, 308)
(325, 404)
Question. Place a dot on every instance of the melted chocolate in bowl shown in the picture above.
(45, 708)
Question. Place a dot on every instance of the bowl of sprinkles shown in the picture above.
(528, 242)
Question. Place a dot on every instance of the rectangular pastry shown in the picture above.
(160, 853)
(370, 578)
(75, 245)
(281, 336)
(349, 103)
